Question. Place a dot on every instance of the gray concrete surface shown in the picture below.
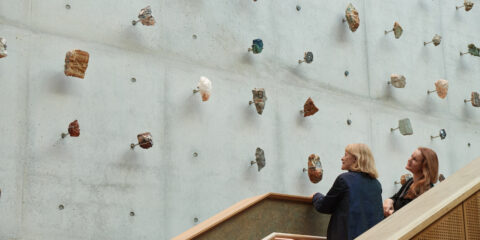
(99, 180)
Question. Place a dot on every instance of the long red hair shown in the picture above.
(430, 173)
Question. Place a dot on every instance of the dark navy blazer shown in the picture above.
(355, 205)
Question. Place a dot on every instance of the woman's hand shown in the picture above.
(387, 207)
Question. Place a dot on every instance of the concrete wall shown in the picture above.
(99, 180)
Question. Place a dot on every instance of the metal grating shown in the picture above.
(448, 227)
(471, 209)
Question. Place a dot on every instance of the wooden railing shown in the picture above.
(450, 210)
(256, 217)
(286, 236)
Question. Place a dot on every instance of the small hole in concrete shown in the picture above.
(349, 122)
(133, 79)
(468, 144)
(132, 214)
(346, 73)
(67, 6)
(195, 154)
(61, 207)
(299, 8)
(195, 220)
(194, 36)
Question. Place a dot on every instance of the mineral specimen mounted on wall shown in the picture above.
(404, 178)
(259, 159)
(442, 134)
(204, 87)
(257, 46)
(474, 99)
(441, 177)
(309, 108)
(397, 30)
(435, 40)
(472, 50)
(351, 14)
(145, 16)
(73, 130)
(3, 47)
(397, 80)
(259, 99)
(315, 170)
(405, 127)
(468, 5)
(308, 58)
(441, 87)
(76, 63)
(144, 141)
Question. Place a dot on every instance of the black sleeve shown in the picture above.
(397, 195)
(328, 203)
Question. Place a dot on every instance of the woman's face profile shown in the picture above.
(414, 163)
(347, 161)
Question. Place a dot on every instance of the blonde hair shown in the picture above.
(365, 162)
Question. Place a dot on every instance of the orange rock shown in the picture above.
(76, 63)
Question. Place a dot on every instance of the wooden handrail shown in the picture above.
(236, 209)
(287, 236)
(430, 206)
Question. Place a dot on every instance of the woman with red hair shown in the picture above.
(423, 163)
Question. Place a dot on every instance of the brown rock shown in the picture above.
(74, 129)
(76, 63)
(145, 140)
(309, 108)
(315, 171)
(146, 17)
(3, 47)
(351, 14)
(468, 5)
(475, 99)
(404, 178)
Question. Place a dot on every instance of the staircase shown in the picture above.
(450, 210)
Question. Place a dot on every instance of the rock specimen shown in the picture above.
(436, 40)
(259, 159)
(145, 140)
(441, 87)
(257, 46)
(76, 63)
(351, 14)
(397, 30)
(309, 108)
(308, 58)
(205, 88)
(315, 171)
(398, 81)
(475, 99)
(3, 47)
(405, 127)
(474, 51)
(145, 17)
(74, 129)
(259, 99)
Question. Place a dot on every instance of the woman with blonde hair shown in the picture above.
(423, 163)
(355, 199)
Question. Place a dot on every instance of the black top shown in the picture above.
(399, 199)
(355, 202)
